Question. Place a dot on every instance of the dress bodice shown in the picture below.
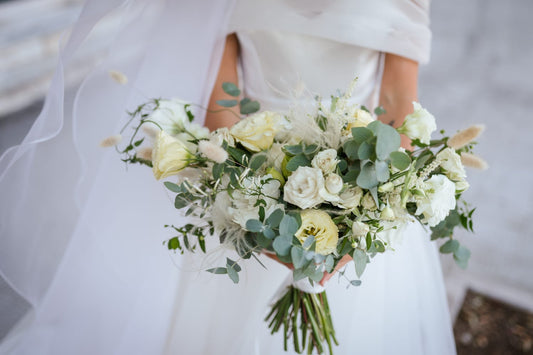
(278, 65)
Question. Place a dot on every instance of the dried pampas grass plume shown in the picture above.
(111, 141)
(473, 161)
(145, 153)
(118, 77)
(465, 136)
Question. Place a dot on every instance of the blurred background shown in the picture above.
(480, 72)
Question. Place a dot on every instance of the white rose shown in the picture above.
(257, 132)
(350, 198)
(419, 124)
(439, 199)
(303, 187)
(332, 186)
(451, 162)
(326, 161)
(368, 202)
(170, 115)
(360, 229)
(334, 183)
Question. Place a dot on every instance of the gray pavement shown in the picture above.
(480, 72)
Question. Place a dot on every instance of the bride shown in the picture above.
(94, 271)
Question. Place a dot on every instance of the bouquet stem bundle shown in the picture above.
(305, 313)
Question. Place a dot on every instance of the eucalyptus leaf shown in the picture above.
(308, 241)
(355, 282)
(297, 255)
(350, 149)
(282, 245)
(248, 106)
(382, 171)
(400, 160)
(288, 226)
(274, 219)
(379, 110)
(269, 233)
(232, 264)
(365, 151)
(360, 260)
(218, 270)
(388, 141)
(254, 225)
(227, 103)
(293, 149)
(231, 89)
(180, 202)
(172, 187)
(461, 256)
(450, 246)
(329, 263)
(297, 161)
(256, 161)
(233, 275)
(367, 178)
(361, 134)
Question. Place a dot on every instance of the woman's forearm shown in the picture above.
(217, 116)
(399, 88)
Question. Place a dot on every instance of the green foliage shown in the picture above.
(400, 160)
(231, 89)
(227, 103)
(360, 260)
(297, 161)
(248, 106)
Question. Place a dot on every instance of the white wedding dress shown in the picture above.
(110, 287)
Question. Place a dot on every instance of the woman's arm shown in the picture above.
(399, 87)
(227, 72)
(398, 91)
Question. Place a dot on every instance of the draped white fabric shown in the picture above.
(81, 237)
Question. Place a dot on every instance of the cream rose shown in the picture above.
(326, 161)
(320, 225)
(439, 199)
(257, 132)
(303, 187)
(361, 119)
(451, 162)
(419, 124)
(169, 156)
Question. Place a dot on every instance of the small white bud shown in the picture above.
(334, 183)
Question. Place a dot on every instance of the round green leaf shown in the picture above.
(400, 160)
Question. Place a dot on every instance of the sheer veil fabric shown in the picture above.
(81, 237)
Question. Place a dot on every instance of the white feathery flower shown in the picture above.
(450, 161)
(473, 161)
(119, 77)
(212, 151)
(465, 136)
(111, 141)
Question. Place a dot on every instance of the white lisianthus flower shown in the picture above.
(450, 161)
(368, 202)
(438, 201)
(212, 151)
(170, 116)
(257, 132)
(319, 224)
(360, 229)
(326, 161)
(419, 124)
(303, 187)
(169, 156)
(243, 203)
(361, 119)
(461, 185)
(349, 198)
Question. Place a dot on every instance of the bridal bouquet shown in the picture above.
(307, 186)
